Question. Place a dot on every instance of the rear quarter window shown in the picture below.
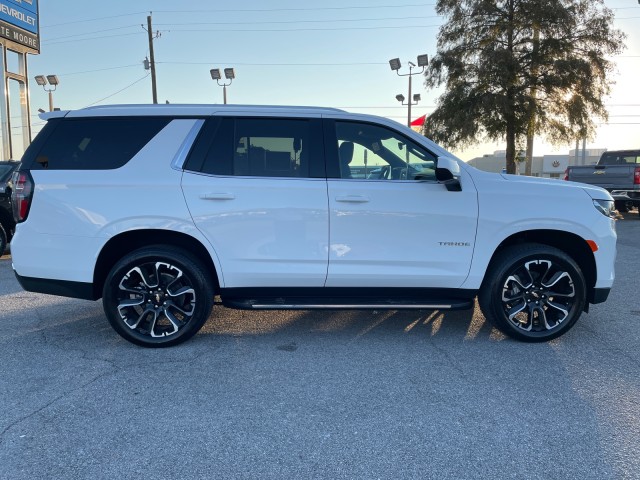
(96, 143)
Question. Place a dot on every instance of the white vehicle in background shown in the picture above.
(157, 208)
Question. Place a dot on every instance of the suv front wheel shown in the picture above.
(533, 292)
(158, 296)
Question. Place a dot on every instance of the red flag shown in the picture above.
(418, 122)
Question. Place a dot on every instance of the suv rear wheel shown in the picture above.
(533, 292)
(158, 296)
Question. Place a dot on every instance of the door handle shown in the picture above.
(352, 199)
(217, 196)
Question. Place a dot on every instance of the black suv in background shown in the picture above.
(7, 225)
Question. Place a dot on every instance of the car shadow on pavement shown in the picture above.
(460, 324)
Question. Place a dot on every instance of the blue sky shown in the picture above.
(333, 53)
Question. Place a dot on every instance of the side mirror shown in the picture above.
(448, 173)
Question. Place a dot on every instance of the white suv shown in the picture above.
(159, 208)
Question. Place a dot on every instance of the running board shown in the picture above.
(315, 303)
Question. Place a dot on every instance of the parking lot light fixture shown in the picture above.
(423, 60)
(395, 64)
(229, 74)
(43, 81)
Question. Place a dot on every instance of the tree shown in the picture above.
(510, 67)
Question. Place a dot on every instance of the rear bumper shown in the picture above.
(63, 288)
(628, 196)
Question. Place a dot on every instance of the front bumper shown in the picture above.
(598, 295)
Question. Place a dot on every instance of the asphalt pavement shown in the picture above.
(312, 394)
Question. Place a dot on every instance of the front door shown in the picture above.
(391, 223)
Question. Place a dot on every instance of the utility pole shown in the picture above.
(152, 61)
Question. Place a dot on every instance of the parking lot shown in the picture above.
(313, 394)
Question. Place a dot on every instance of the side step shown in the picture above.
(356, 303)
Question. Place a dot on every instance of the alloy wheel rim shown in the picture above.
(538, 296)
(155, 299)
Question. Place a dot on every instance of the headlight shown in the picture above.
(605, 207)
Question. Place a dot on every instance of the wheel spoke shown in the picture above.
(541, 315)
(188, 313)
(516, 309)
(182, 291)
(174, 321)
(146, 312)
(555, 279)
(516, 279)
(561, 308)
(130, 302)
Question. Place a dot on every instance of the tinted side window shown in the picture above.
(265, 147)
(96, 143)
(271, 148)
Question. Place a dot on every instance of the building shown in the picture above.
(549, 166)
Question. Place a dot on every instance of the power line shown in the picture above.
(384, 27)
(298, 9)
(93, 19)
(92, 38)
(121, 90)
(88, 33)
(220, 10)
(281, 64)
(100, 69)
(385, 19)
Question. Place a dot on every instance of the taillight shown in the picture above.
(636, 176)
(21, 195)
(566, 174)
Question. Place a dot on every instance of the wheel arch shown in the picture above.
(570, 243)
(126, 242)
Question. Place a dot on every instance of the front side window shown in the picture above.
(372, 152)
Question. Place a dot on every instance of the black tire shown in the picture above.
(533, 292)
(3, 240)
(158, 296)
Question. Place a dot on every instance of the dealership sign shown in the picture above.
(19, 23)
(555, 163)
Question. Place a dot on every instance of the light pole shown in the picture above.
(52, 80)
(394, 63)
(229, 74)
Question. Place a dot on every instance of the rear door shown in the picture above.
(256, 188)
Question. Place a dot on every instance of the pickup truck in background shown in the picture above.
(618, 172)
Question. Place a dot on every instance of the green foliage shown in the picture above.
(504, 62)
